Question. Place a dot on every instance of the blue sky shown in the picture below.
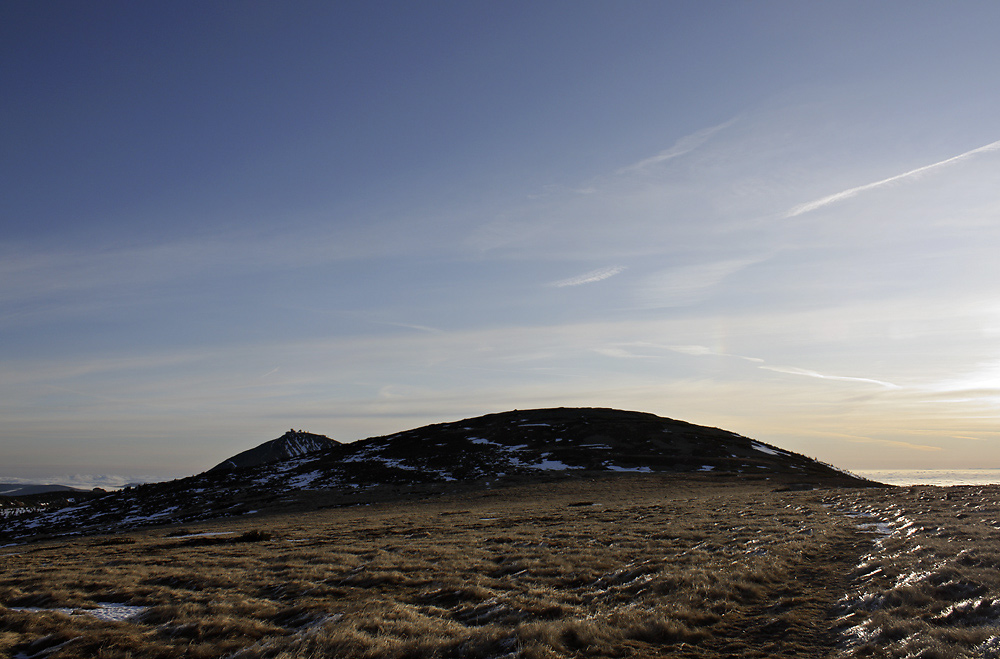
(222, 220)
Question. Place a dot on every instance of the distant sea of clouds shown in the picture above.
(82, 481)
(932, 476)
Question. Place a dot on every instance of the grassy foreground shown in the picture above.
(640, 566)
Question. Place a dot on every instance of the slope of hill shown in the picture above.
(292, 444)
(498, 449)
(521, 443)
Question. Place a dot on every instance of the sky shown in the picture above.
(222, 220)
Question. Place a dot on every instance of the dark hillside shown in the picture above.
(490, 451)
(292, 444)
(567, 439)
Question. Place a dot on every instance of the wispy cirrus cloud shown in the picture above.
(699, 350)
(851, 192)
(590, 277)
(691, 283)
(418, 328)
(647, 349)
(684, 145)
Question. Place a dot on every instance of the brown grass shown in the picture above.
(930, 588)
(631, 566)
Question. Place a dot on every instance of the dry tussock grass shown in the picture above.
(929, 586)
(631, 566)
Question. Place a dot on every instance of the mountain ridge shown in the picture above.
(494, 450)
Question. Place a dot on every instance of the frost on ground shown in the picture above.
(106, 611)
(632, 565)
(629, 565)
(200, 534)
(930, 585)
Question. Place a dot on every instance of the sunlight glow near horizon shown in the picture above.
(356, 222)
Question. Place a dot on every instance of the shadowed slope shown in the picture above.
(488, 451)
(292, 444)
(569, 439)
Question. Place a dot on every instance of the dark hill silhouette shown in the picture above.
(293, 444)
(569, 439)
(517, 447)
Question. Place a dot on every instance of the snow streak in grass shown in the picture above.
(107, 611)
(639, 470)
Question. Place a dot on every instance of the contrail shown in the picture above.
(813, 374)
(846, 194)
(698, 350)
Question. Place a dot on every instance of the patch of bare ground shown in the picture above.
(632, 566)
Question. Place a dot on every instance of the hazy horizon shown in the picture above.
(224, 220)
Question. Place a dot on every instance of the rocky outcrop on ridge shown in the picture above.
(292, 444)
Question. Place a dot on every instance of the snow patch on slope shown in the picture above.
(757, 446)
